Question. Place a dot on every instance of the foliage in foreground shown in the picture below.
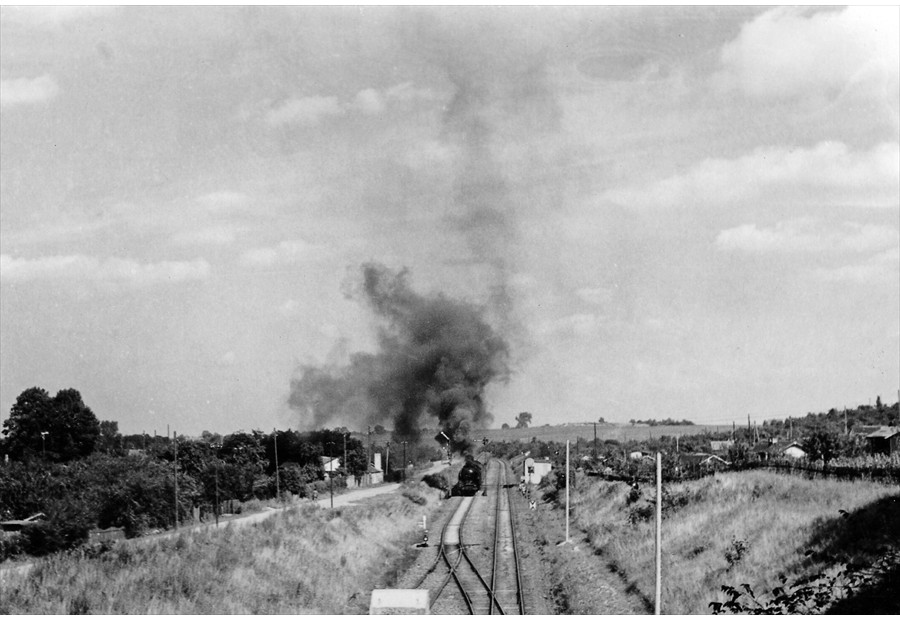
(819, 593)
(306, 560)
(737, 528)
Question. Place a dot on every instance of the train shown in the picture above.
(469, 480)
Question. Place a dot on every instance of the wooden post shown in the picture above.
(277, 477)
(175, 471)
(567, 490)
(658, 532)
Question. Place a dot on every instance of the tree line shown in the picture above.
(81, 473)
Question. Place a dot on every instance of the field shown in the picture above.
(734, 529)
(619, 432)
(306, 560)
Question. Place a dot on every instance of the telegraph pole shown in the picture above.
(567, 490)
(277, 477)
(657, 606)
(175, 472)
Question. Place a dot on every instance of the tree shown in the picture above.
(822, 445)
(523, 420)
(504, 426)
(61, 428)
(110, 440)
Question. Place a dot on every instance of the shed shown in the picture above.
(794, 450)
(885, 440)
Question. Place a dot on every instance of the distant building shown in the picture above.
(793, 450)
(535, 470)
(884, 440)
(721, 446)
(702, 461)
(330, 464)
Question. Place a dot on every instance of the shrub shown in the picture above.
(736, 551)
(436, 481)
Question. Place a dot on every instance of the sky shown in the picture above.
(687, 212)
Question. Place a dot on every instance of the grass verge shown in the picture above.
(305, 560)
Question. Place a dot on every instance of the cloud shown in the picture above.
(596, 296)
(215, 235)
(793, 52)
(21, 91)
(827, 174)
(285, 253)
(78, 267)
(579, 324)
(304, 111)
(228, 359)
(223, 200)
(52, 16)
(883, 268)
(808, 235)
(369, 101)
(310, 111)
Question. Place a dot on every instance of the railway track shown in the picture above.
(476, 567)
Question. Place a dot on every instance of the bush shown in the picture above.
(436, 481)
(10, 545)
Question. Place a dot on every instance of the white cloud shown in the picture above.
(78, 267)
(369, 101)
(228, 359)
(828, 173)
(883, 268)
(808, 235)
(579, 324)
(215, 235)
(289, 308)
(223, 200)
(304, 111)
(791, 52)
(407, 91)
(596, 296)
(27, 90)
(52, 16)
(285, 253)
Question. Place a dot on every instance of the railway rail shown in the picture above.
(477, 554)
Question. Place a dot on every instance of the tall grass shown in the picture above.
(728, 529)
(306, 560)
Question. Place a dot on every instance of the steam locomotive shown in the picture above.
(469, 482)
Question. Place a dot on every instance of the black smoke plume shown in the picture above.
(436, 358)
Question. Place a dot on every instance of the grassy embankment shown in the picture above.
(736, 528)
(305, 560)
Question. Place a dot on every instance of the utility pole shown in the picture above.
(345, 451)
(845, 421)
(217, 488)
(175, 471)
(676, 445)
(657, 606)
(567, 490)
(277, 477)
(387, 461)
